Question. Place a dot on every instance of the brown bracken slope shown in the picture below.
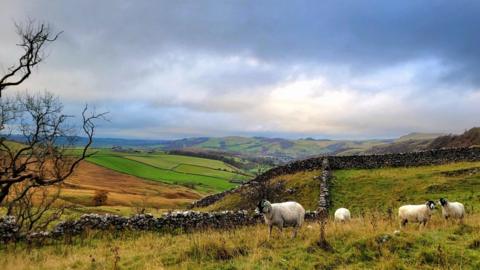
(123, 189)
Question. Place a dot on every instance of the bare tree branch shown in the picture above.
(41, 160)
(33, 39)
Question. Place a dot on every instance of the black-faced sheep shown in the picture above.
(453, 210)
(281, 215)
(416, 213)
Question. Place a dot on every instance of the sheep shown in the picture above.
(342, 215)
(416, 213)
(286, 214)
(454, 210)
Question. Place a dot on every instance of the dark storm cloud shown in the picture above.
(361, 34)
(235, 60)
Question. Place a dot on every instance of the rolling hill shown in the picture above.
(408, 143)
(377, 189)
(279, 149)
(469, 138)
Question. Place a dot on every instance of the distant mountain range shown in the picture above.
(286, 150)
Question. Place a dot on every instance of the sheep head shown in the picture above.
(264, 206)
(430, 205)
(443, 201)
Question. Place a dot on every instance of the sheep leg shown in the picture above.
(403, 223)
(270, 233)
(295, 230)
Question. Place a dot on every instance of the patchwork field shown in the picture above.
(204, 175)
(124, 191)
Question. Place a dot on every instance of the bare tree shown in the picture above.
(37, 208)
(34, 38)
(46, 156)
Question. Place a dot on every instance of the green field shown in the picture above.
(391, 187)
(205, 175)
(377, 189)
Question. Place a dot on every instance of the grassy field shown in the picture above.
(378, 189)
(202, 174)
(391, 187)
(369, 241)
(365, 243)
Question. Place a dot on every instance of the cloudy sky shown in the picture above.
(325, 69)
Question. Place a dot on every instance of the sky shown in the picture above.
(321, 69)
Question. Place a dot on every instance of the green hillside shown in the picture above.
(391, 187)
(202, 174)
(377, 189)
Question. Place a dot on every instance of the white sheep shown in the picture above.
(342, 215)
(454, 210)
(416, 213)
(281, 215)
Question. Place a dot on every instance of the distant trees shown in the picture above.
(33, 40)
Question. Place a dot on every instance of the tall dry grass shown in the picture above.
(367, 242)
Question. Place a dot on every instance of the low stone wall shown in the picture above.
(175, 221)
(8, 229)
(324, 178)
(413, 159)
(421, 158)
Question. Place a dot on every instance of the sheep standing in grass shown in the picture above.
(454, 210)
(286, 214)
(416, 213)
(342, 215)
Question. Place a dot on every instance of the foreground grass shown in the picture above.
(365, 243)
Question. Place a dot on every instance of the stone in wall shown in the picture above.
(8, 229)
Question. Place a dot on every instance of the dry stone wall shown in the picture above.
(324, 178)
(175, 221)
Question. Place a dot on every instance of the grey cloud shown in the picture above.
(164, 65)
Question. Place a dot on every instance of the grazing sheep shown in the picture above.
(286, 214)
(342, 215)
(454, 210)
(416, 213)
